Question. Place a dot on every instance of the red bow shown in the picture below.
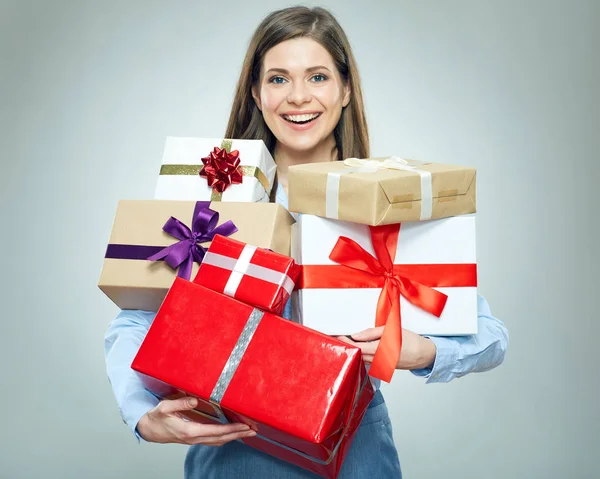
(221, 169)
(413, 281)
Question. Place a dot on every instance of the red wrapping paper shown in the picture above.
(304, 393)
(265, 279)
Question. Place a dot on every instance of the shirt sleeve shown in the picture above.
(457, 356)
(121, 343)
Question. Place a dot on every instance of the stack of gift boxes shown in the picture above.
(218, 263)
(385, 242)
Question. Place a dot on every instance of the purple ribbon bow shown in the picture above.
(188, 249)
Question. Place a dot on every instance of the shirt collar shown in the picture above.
(280, 196)
(282, 199)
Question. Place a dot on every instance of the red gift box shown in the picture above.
(303, 392)
(255, 276)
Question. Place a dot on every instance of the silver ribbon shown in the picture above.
(236, 356)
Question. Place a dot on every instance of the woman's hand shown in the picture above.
(417, 352)
(165, 424)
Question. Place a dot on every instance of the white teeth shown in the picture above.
(300, 118)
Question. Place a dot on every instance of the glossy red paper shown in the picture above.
(303, 390)
(254, 291)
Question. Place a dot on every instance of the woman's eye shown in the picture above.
(319, 78)
(277, 80)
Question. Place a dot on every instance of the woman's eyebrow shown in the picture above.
(308, 70)
(318, 67)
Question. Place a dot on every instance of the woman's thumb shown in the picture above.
(182, 404)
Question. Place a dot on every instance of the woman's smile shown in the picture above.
(301, 121)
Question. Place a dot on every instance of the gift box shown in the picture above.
(381, 191)
(153, 241)
(303, 392)
(216, 170)
(254, 276)
(421, 276)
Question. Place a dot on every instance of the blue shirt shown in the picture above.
(455, 356)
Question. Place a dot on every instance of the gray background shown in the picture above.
(89, 90)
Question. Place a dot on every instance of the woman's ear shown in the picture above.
(347, 93)
(256, 97)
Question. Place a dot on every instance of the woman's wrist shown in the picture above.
(427, 356)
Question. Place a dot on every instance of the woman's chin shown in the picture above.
(300, 143)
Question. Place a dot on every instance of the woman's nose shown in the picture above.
(299, 93)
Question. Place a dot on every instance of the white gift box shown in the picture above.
(345, 311)
(179, 177)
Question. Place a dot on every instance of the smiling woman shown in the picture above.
(299, 91)
(301, 95)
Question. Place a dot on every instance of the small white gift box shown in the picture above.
(214, 169)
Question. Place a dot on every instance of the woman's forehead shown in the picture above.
(297, 55)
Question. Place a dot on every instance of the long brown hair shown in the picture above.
(246, 120)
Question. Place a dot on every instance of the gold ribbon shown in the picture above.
(247, 170)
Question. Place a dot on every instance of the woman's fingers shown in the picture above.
(164, 424)
(367, 348)
(193, 430)
(346, 339)
(370, 334)
(219, 440)
(170, 406)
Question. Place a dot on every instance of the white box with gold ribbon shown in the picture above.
(214, 169)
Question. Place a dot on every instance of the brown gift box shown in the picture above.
(143, 284)
(384, 196)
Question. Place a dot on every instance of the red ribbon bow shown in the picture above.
(413, 281)
(221, 169)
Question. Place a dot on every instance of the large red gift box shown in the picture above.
(303, 392)
(255, 276)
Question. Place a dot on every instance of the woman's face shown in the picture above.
(300, 93)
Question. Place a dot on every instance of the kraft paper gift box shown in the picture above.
(303, 392)
(138, 233)
(381, 191)
(425, 272)
(252, 275)
(215, 169)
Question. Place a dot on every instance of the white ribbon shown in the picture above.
(357, 165)
(242, 266)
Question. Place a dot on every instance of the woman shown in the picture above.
(299, 91)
